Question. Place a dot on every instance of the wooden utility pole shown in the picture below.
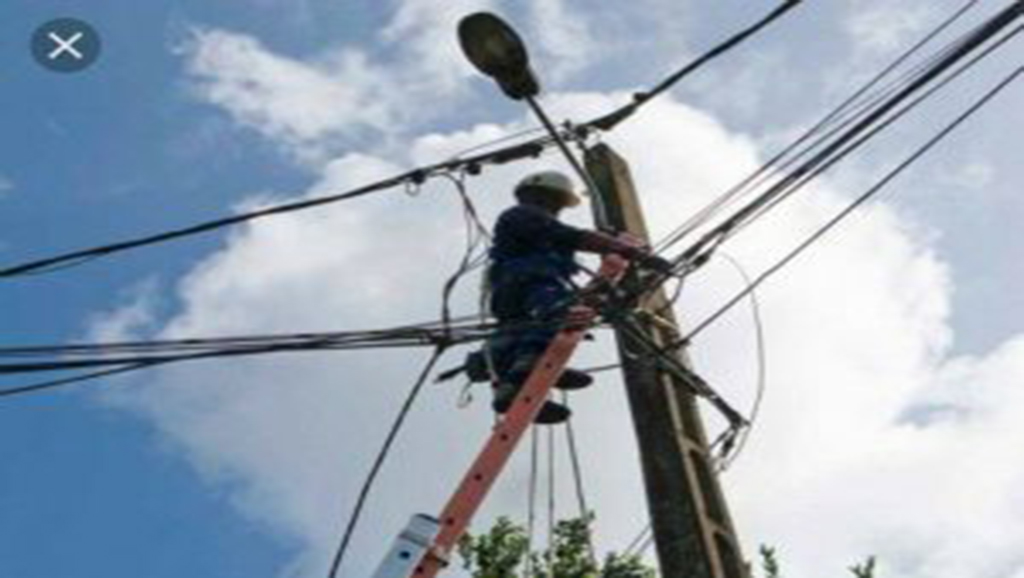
(692, 528)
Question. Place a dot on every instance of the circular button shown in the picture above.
(66, 45)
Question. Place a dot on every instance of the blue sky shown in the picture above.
(94, 156)
(197, 106)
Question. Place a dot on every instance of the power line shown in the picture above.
(477, 236)
(134, 356)
(527, 149)
(737, 422)
(552, 502)
(75, 258)
(836, 151)
(378, 462)
(531, 506)
(577, 476)
(635, 543)
(848, 149)
(205, 343)
(859, 201)
(762, 366)
(416, 176)
(63, 382)
(760, 175)
(611, 120)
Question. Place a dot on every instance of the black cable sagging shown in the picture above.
(790, 154)
(990, 29)
(531, 148)
(378, 462)
(857, 203)
(611, 120)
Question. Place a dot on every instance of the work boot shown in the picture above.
(571, 379)
(550, 413)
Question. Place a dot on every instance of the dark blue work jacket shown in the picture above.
(531, 249)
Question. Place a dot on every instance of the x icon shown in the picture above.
(65, 45)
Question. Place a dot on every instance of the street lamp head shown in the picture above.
(494, 48)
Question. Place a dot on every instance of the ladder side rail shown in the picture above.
(478, 481)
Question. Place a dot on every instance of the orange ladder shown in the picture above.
(425, 547)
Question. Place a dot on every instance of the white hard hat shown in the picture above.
(554, 182)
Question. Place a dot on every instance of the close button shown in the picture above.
(66, 45)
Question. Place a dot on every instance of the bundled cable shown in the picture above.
(99, 360)
(865, 125)
(839, 118)
(530, 148)
(943, 68)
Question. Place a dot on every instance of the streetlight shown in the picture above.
(496, 50)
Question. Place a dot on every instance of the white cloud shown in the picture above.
(133, 317)
(429, 54)
(874, 33)
(859, 339)
(304, 106)
(414, 74)
(880, 28)
(973, 175)
(317, 105)
(874, 438)
(564, 37)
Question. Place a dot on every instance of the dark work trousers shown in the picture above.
(514, 351)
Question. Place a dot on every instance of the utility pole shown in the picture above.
(693, 532)
(691, 525)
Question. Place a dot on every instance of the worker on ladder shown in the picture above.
(532, 263)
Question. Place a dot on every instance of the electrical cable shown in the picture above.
(466, 329)
(635, 542)
(611, 120)
(531, 148)
(497, 141)
(551, 510)
(378, 462)
(642, 549)
(608, 122)
(431, 334)
(528, 149)
(75, 258)
(531, 510)
(577, 475)
(832, 152)
(601, 368)
(762, 365)
(700, 253)
(574, 459)
(860, 200)
(842, 153)
(476, 234)
(685, 377)
(56, 383)
(762, 172)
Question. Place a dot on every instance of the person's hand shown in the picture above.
(634, 252)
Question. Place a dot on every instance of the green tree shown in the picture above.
(770, 565)
(503, 552)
